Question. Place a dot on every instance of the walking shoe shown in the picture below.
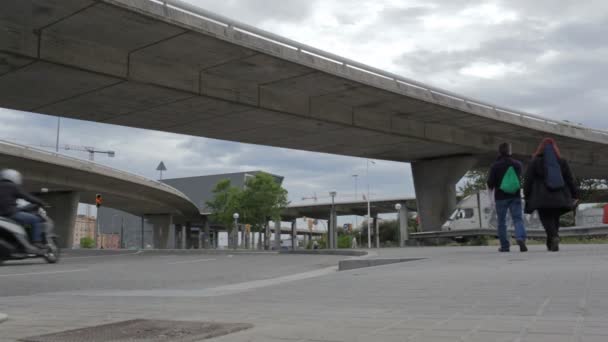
(522, 246)
(503, 250)
(554, 245)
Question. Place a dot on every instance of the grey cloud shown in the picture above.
(571, 86)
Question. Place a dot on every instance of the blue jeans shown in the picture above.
(514, 206)
(33, 220)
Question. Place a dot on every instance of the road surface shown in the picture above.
(471, 294)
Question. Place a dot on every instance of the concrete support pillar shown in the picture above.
(377, 231)
(435, 183)
(206, 233)
(161, 229)
(332, 234)
(190, 239)
(63, 211)
(260, 240)
(294, 235)
(185, 233)
(277, 235)
(403, 234)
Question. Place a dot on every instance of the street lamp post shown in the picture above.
(235, 234)
(369, 214)
(356, 178)
(58, 130)
(332, 222)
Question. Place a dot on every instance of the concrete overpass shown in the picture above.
(169, 66)
(70, 181)
(330, 211)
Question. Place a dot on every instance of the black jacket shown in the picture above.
(497, 172)
(9, 193)
(538, 196)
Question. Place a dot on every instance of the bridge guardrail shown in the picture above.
(97, 165)
(230, 24)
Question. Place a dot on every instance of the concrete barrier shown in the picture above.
(206, 251)
(345, 265)
(326, 252)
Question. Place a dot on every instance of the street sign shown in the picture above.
(160, 168)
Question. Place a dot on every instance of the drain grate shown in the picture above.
(145, 330)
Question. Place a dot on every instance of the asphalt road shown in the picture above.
(130, 270)
(467, 294)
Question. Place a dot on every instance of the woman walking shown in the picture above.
(549, 188)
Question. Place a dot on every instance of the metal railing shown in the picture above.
(581, 231)
(230, 24)
(100, 168)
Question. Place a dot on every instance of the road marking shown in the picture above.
(43, 273)
(206, 292)
(189, 261)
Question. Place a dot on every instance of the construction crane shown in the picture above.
(91, 150)
(313, 197)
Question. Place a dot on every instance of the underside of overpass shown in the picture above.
(143, 64)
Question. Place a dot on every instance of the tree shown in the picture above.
(226, 201)
(476, 180)
(263, 199)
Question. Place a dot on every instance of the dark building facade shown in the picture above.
(199, 189)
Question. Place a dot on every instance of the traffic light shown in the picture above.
(98, 200)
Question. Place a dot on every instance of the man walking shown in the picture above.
(504, 180)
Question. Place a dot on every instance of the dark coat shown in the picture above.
(538, 196)
(9, 193)
(497, 172)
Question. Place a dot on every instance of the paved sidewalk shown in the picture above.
(470, 294)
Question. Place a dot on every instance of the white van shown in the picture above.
(590, 217)
(478, 212)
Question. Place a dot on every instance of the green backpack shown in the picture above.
(510, 182)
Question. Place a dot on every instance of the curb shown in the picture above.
(3, 317)
(355, 253)
(207, 251)
(352, 264)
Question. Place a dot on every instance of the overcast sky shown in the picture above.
(536, 56)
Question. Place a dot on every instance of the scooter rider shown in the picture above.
(10, 192)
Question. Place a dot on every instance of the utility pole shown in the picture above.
(356, 178)
(369, 215)
(58, 128)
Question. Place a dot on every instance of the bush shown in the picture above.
(344, 241)
(322, 241)
(87, 242)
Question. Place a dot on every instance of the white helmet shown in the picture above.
(12, 176)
